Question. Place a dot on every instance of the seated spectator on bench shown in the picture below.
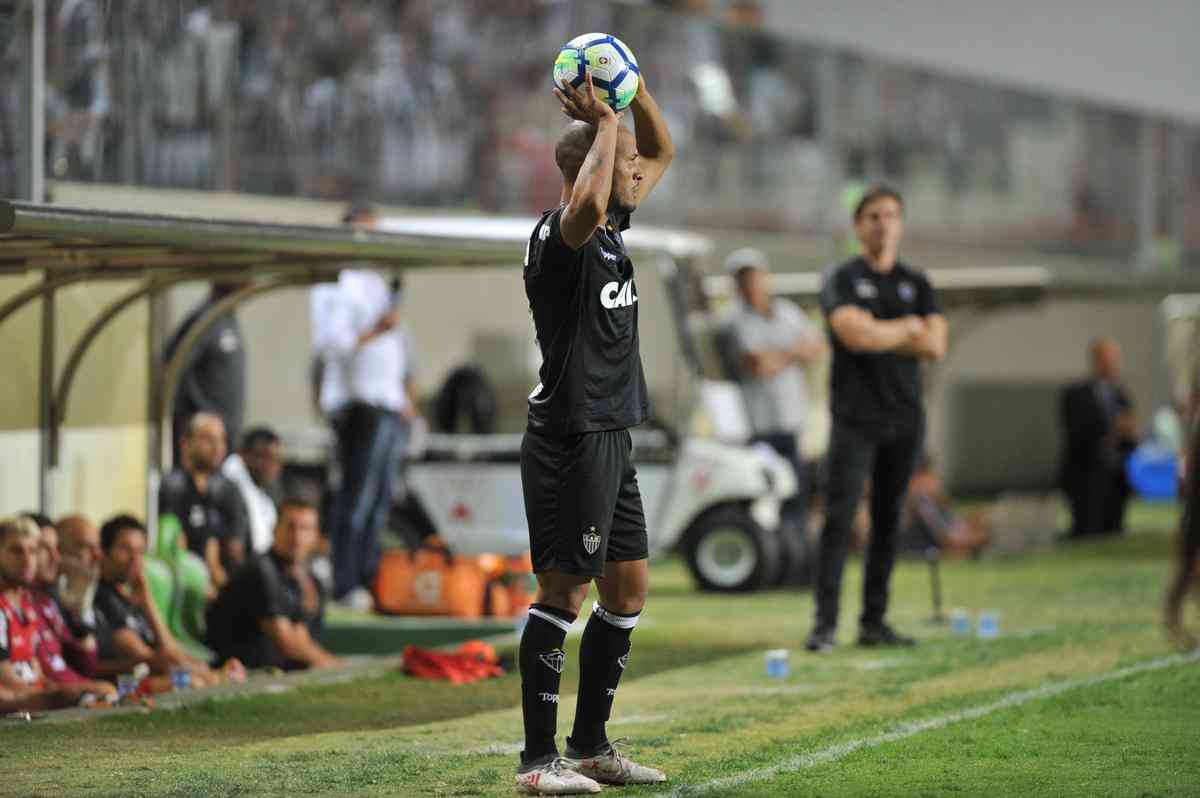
(68, 651)
(255, 469)
(78, 573)
(929, 520)
(270, 613)
(130, 628)
(24, 683)
(206, 503)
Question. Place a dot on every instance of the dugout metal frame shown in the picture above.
(70, 246)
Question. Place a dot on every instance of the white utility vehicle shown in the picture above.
(715, 502)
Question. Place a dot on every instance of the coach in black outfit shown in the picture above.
(1100, 431)
(883, 321)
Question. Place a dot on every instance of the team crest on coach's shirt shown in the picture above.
(907, 291)
(591, 540)
(865, 289)
(553, 660)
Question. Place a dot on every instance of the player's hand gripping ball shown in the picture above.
(614, 69)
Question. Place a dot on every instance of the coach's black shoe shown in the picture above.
(820, 641)
(883, 635)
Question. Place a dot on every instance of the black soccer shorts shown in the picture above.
(582, 501)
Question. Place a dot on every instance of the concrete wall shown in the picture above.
(1027, 354)
(104, 439)
(1140, 56)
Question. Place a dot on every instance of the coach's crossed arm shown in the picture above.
(859, 331)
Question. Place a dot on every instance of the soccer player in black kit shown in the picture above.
(581, 494)
(883, 321)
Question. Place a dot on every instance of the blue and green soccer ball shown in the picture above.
(614, 69)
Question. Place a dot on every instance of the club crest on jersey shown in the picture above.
(553, 660)
(617, 295)
(544, 232)
(907, 291)
(865, 289)
(591, 540)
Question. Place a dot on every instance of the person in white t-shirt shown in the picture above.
(368, 393)
(255, 468)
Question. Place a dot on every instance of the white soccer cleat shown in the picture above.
(556, 777)
(613, 767)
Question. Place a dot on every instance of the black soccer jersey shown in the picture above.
(115, 612)
(584, 306)
(876, 388)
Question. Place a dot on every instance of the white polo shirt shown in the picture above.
(374, 373)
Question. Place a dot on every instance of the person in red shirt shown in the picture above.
(68, 651)
(24, 684)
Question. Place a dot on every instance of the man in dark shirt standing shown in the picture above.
(1099, 432)
(581, 495)
(270, 613)
(207, 504)
(883, 321)
(214, 378)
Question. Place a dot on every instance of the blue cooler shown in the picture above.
(1153, 472)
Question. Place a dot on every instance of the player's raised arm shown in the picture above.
(588, 191)
(656, 150)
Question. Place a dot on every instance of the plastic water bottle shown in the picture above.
(778, 666)
(960, 621)
(989, 625)
(127, 685)
(181, 677)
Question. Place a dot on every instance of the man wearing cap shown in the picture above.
(773, 341)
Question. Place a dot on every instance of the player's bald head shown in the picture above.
(573, 146)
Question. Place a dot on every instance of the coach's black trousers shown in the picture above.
(887, 457)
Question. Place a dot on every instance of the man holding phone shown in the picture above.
(368, 393)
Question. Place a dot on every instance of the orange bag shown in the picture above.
(429, 581)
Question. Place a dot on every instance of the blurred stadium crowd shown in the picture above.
(445, 103)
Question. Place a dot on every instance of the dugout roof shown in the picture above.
(67, 246)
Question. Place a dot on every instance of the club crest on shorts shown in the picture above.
(591, 540)
(553, 660)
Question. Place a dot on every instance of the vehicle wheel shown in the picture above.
(798, 556)
(729, 552)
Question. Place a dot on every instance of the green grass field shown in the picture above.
(1080, 695)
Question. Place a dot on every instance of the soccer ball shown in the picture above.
(614, 69)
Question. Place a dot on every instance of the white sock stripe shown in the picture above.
(611, 618)
(549, 617)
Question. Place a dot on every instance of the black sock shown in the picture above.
(541, 661)
(603, 654)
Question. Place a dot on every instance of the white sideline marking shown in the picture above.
(836, 752)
